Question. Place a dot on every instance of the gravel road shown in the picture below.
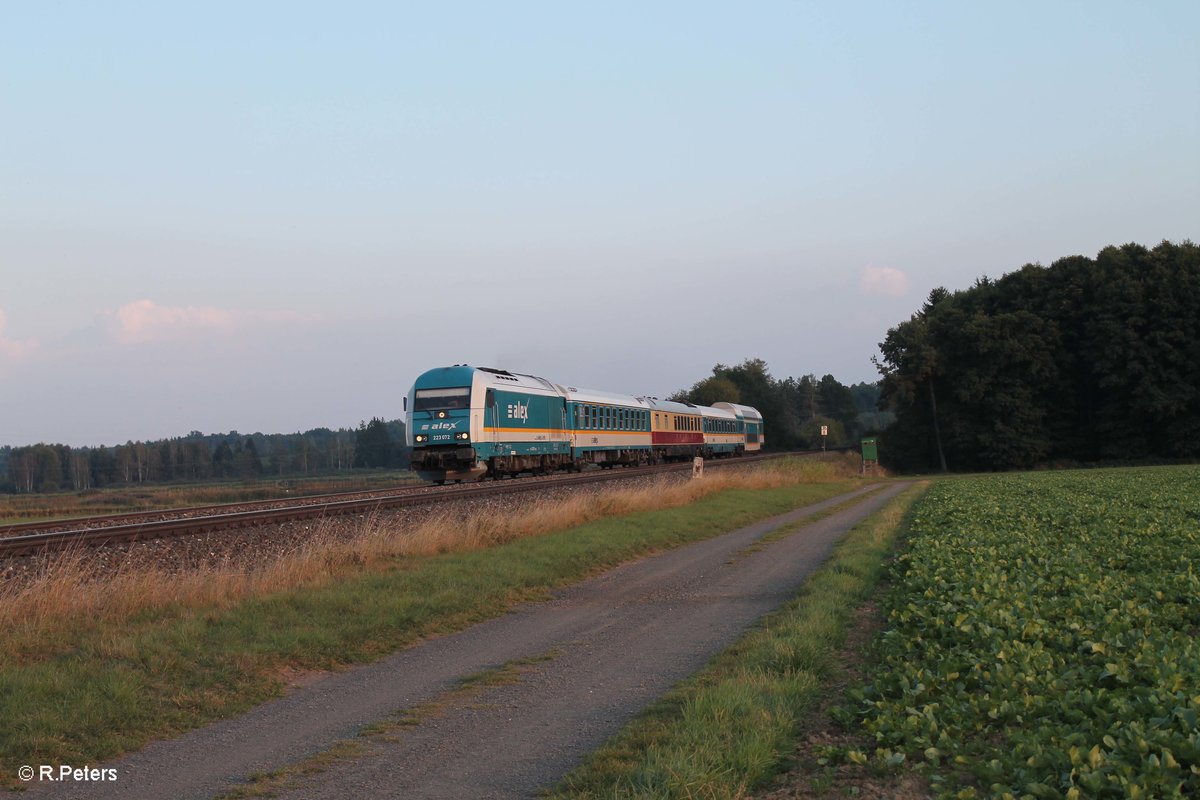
(608, 648)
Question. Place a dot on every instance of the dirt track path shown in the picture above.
(612, 644)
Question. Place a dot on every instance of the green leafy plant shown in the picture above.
(1043, 638)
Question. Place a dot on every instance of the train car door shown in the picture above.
(492, 409)
(563, 439)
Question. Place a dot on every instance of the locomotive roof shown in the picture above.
(504, 379)
(444, 377)
(460, 375)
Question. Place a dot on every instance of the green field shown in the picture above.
(1044, 639)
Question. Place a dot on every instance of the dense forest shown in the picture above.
(794, 409)
(198, 456)
(1084, 361)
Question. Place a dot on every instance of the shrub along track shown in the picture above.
(591, 658)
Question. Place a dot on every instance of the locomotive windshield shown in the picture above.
(442, 399)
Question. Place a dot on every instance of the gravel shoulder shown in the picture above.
(610, 646)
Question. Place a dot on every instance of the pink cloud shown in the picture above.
(884, 280)
(13, 349)
(146, 321)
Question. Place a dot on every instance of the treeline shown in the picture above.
(198, 457)
(1088, 360)
(794, 409)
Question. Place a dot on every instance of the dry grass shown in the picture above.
(69, 592)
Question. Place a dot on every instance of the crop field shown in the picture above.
(1044, 639)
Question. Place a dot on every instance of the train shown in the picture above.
(470, 423)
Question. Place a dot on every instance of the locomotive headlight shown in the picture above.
(441, 415)
(464, 436)
(421, 438)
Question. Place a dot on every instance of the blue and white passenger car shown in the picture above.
(724, 433)
(609, 429)
(752, 429)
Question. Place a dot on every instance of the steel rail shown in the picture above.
(130, 517)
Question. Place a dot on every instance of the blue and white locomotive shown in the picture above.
(466, 422)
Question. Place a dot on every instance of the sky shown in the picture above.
(273, 216)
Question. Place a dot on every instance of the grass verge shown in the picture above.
(93, 666)
(731, 727)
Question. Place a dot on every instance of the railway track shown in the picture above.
(32, 538)
(159, 515)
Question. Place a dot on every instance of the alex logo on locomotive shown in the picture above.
(519, 411)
